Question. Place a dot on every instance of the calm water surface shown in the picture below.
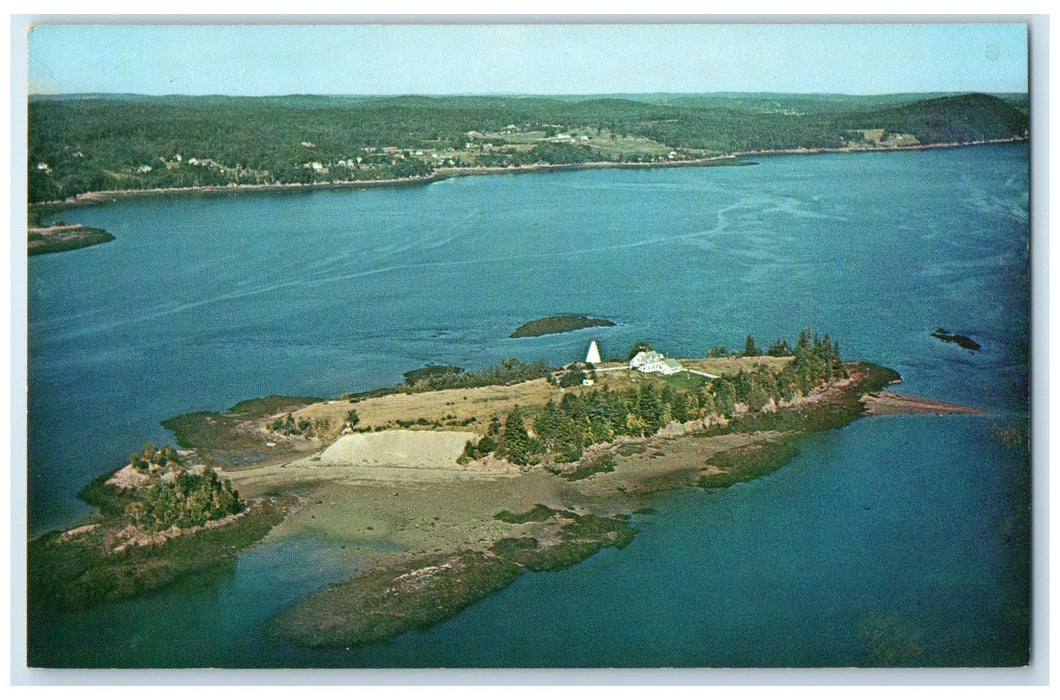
(895, 540)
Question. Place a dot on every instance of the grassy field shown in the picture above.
(472, 409)
(608, 144)
(722, 366)
(449, 409)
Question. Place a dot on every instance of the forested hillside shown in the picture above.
(125, 142)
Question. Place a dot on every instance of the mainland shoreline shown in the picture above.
(731, 159)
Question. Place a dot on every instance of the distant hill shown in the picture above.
(87, 143)
(961, 118)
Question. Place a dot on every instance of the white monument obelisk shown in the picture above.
(593, 356)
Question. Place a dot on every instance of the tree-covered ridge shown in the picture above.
(562, 431)
(106, 143)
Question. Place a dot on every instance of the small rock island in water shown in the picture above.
(557, 324)
(962, 340)
(63, 237)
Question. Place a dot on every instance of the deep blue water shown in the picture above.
(894, 539)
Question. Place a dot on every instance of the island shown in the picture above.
(557, 324)
(962, 340)
(63, 237)
(449, 486)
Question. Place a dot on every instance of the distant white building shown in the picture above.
(651, 362)
(593, 356)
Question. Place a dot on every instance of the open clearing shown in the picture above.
(472, 409)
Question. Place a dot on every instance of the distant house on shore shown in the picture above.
(651, 362)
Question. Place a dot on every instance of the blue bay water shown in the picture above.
(895, 539)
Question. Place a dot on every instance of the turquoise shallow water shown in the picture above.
(893, 540)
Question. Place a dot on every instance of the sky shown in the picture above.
(526, 58)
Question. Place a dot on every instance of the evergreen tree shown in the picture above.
(516, 443)
(724, 397)
(779, 349)
(649, 409)
(750, 349)
(679, 408)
